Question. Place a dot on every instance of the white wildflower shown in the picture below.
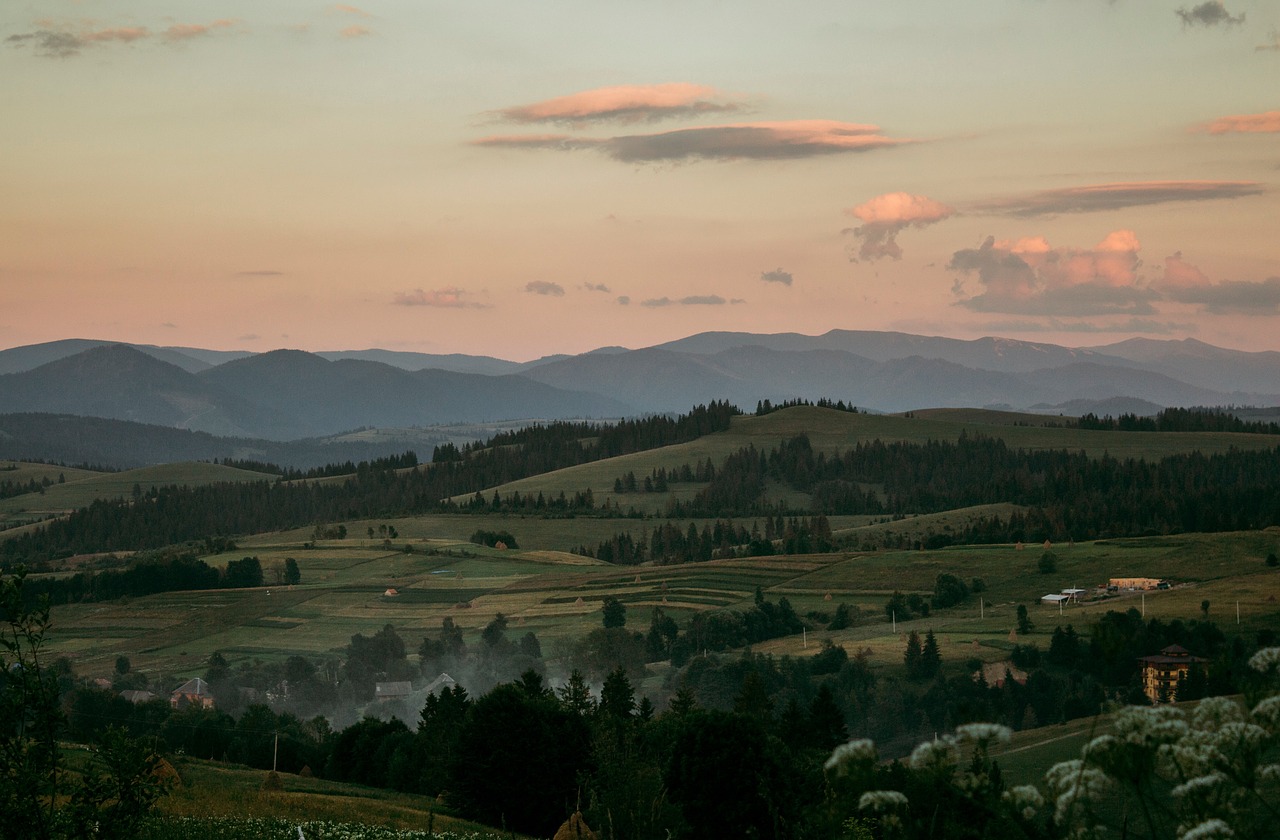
(984, 733)
(1267, 713)
(1265, 660)
(1208, 830)
(1236, 736)
(1269, 773)
(1213, 712)
(861, 750)
(1150, 725)
(1026, 798)
(882, 800)
(1199, 786)
(939, 754)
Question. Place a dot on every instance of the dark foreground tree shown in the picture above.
(39, 798)
(518, 761)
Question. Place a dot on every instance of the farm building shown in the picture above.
(1074, 594)
(439, 684)
(136, 697)
(1133, 583)
(1161, 673)
(193, 692)
(1055, 600)
(385, 692)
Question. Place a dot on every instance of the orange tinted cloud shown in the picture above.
(350, 10)
(885, 216)
(187, 31)
(1098, 197)
(624, 103)
(1028, 276)
(355, 31)
(741, 141)
(1268, 122)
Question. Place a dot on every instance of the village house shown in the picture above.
(385, 692)
(194, 692)
(1162, 672)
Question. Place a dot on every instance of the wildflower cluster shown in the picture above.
(1211, 772)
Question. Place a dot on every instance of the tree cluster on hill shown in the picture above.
(764, 407)
(668, 543)
(1180, 420)
(10, 488)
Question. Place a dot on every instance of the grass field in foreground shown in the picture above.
(212, 789)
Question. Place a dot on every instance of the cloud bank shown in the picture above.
(624, 104)
(885, 216)
(1029, 277)
(743, 141)
(777, 276)
(1100, 197)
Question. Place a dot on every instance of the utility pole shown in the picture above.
(275, 752)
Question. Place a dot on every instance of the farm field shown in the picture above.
(559, 596)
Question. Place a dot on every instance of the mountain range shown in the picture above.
(291, 394)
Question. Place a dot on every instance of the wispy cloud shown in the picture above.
(1100, 197)
(595, 287)
(777, 276)
(260, 273)
(743, 141)
(691, 300)
(450, 297)
(624, 104)
(65, 41)
(624, 300)
(1211, 13)
(1130, 325)
(885, 216)
(345, 9)
(1028, 277)
(1267, 122)
(355, 30)
(188, 31)
(544, 287)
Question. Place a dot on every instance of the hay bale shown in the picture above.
(272, 782)
(576, 828)
(166, 773)
(305, 772)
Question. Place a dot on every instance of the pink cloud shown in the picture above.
(1178, 273)
(740, 141)
(350, 10)
(127, 35)
(1268, 122)
(624, 103)
(885, 216)
(187, 31)
(355, 31)
(448, 298)
(1029, 276)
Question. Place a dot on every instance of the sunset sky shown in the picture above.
(524, 178)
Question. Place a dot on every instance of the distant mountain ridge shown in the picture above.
(292, 394)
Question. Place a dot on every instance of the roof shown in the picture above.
(195, 686)
(392, 689)
(1055, 598)
(440, 683)
(134, 696)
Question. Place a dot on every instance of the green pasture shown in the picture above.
(88, 487)
(344, 586)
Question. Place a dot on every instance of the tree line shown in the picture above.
(1180, 420)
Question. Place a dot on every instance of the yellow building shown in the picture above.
(1134, 583)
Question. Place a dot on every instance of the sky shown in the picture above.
(519, 179)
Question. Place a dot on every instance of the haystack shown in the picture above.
(165, 773)
(576, 828)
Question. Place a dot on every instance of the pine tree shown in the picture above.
(912, 656)
(930, 657)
